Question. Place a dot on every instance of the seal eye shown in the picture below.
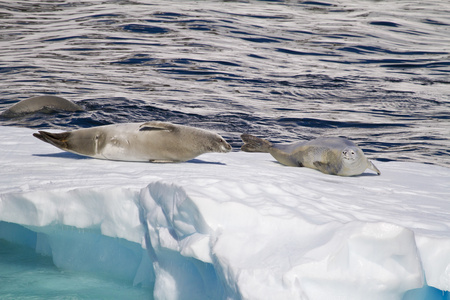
(344, 152)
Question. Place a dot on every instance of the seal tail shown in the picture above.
(254, 144)
(56, 139)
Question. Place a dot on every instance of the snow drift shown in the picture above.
(231, 226)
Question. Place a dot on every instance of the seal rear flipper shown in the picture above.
(255, 144)
(155, 125)
(326, 168)
(56, 139)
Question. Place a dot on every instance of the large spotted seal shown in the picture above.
(40, 103)
(334, 155)
(151, 142)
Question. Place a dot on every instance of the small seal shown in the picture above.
(40, 103)
(334, 155)
(150, 141)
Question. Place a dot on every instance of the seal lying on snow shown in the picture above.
(151, 141)
(39, 103)
(335, 156)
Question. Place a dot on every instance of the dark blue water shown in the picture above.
(375, 72)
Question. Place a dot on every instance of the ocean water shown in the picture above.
(24, 274)
(376, 72)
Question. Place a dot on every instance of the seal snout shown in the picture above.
(225, 147)
(349, 154)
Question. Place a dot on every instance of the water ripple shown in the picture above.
(375, 73)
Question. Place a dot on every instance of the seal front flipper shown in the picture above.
(373, 168)
(56, 139)
(155, 125)
(163, 161)
(326, 168)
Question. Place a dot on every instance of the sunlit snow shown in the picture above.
(236, 225)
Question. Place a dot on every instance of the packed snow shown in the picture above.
(231, 226)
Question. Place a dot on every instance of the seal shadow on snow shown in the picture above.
(63, 155)
(199, 161)
(368, 174)
(76, 156)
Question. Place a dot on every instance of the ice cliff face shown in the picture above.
(230, 226)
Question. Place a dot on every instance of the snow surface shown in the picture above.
(236, 225)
